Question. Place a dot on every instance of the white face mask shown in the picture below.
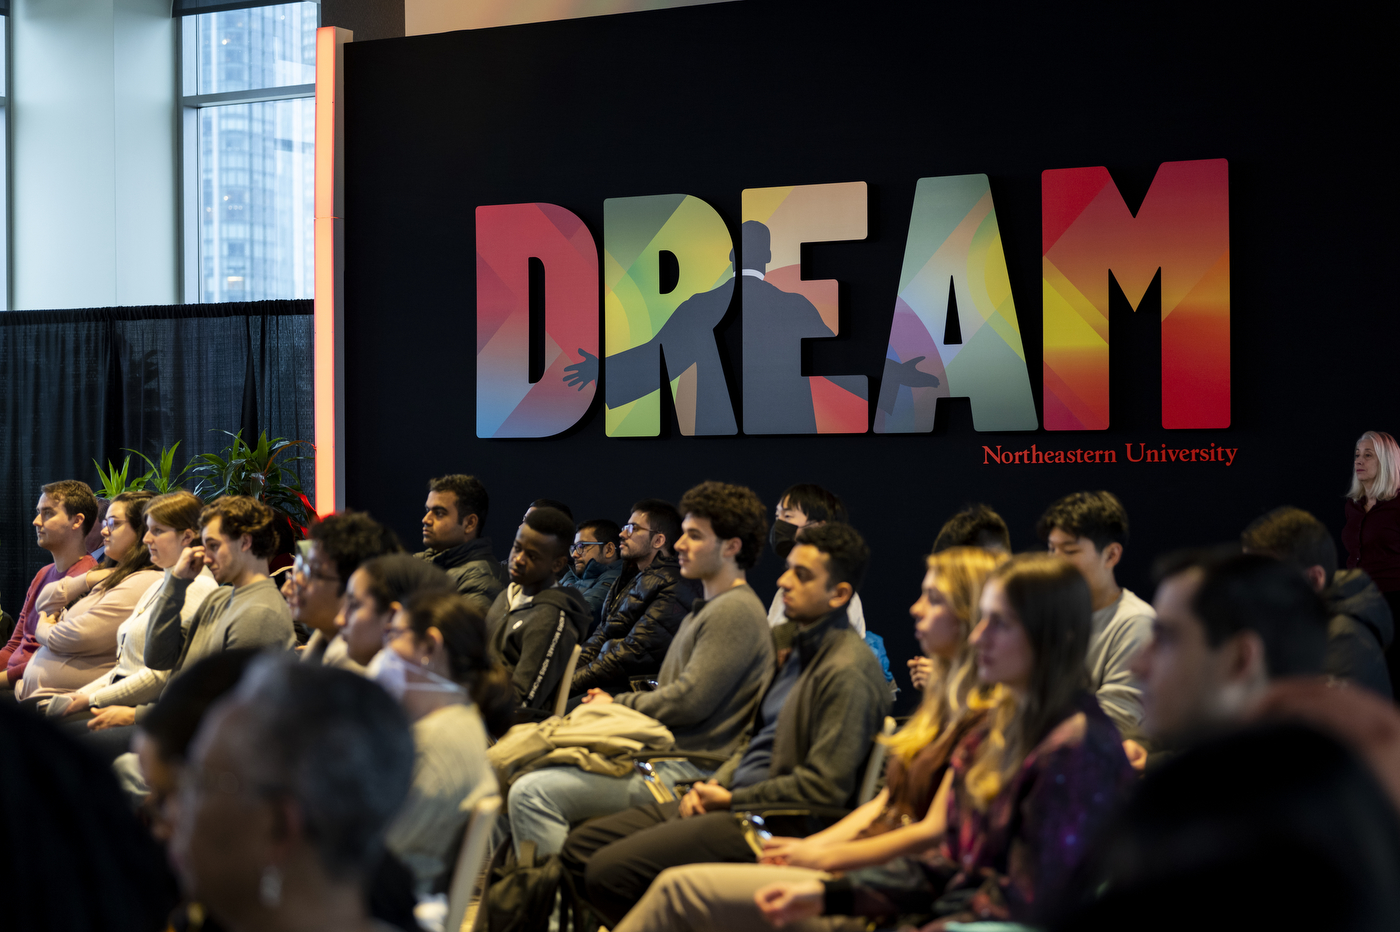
(390, 671)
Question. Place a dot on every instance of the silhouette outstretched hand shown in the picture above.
(908, 373)
(580, 374)
(903, 373)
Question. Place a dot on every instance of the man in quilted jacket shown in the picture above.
(643, 608)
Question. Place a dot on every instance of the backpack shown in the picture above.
(521, 895)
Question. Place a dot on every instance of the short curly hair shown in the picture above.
(76, 498)
(242, 514)
(349, 538)
(733, 511)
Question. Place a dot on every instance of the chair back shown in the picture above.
(875, 767)
(469, 860)
(562, 699)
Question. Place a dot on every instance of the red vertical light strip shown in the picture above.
(328, 350)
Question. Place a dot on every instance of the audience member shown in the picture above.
(595, 564)
(644, 607)
(339, 543)
(377, 589)
(66, 513)
(290, 787)
(713, 674)
(76, 858)
(172, 523)
(1361, 626)
(812, 732)
(1277, 827)
(1372, 531)
(1090, 529)
(977, 525)
(1226, 626)
(974, 526)
(535, 623)
(436, 665)
(802, 505)
(908, 815)
(80, 644)
(453, 527)
(548, 503)
(1028, 795)
(245, 611)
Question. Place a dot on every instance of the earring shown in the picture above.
(270, 887)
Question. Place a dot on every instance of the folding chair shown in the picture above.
(475, 841)
(561, 701)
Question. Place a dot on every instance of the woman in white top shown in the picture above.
(80, 644)
(171, 525)
(435, 663)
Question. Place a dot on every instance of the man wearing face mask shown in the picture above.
(806, 505)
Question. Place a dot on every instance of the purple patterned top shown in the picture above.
(1018, 855)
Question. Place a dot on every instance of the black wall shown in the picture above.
(710, 100)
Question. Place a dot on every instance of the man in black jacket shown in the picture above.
(643, 608)
(1360, 626)
(535, 623)
(455, 515)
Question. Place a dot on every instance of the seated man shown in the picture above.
(1361, 627)
(1090, 530)
(713, 673)
(535, 623)
(644, 607)
(238, 537)
(807, 505)
(975, 526)
(66, 513)
(338, 544)
(452, 533)
(596, 563)
(811, 735)
(1225, 629)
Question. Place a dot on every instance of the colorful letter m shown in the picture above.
(1088, 233)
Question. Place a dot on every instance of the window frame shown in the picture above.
(189, 103)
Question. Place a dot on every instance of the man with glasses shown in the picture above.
(644, 607)
(596, 562)
(338, 544)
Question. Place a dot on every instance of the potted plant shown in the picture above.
(262, 472)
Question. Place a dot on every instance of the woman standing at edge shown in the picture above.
(1372, 531)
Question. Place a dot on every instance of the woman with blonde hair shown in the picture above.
(1029, 791)
(905, 818)
(1372, 531)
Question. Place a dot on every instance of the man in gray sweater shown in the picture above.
(810, 739)
(245, 611)
(711, 678)
(237, 539)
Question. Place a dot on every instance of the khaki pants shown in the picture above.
(720, 897)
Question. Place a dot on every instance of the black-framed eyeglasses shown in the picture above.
(629, 529)
(577, 547)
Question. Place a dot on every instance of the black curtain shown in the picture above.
(82, 385)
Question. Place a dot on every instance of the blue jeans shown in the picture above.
(544, 804)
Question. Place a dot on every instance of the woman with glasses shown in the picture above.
(435, 663)
(170, 524)
(80, 644)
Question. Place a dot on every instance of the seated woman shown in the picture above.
(909, 813)
(377, 589)
(1029, 793)
(171, 525)
(436, 664)
(288, 789)
(80, 645)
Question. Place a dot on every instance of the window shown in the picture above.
(4, 156)
(248, 94)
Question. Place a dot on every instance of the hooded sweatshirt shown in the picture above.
(1360, 630)
(533, 637)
